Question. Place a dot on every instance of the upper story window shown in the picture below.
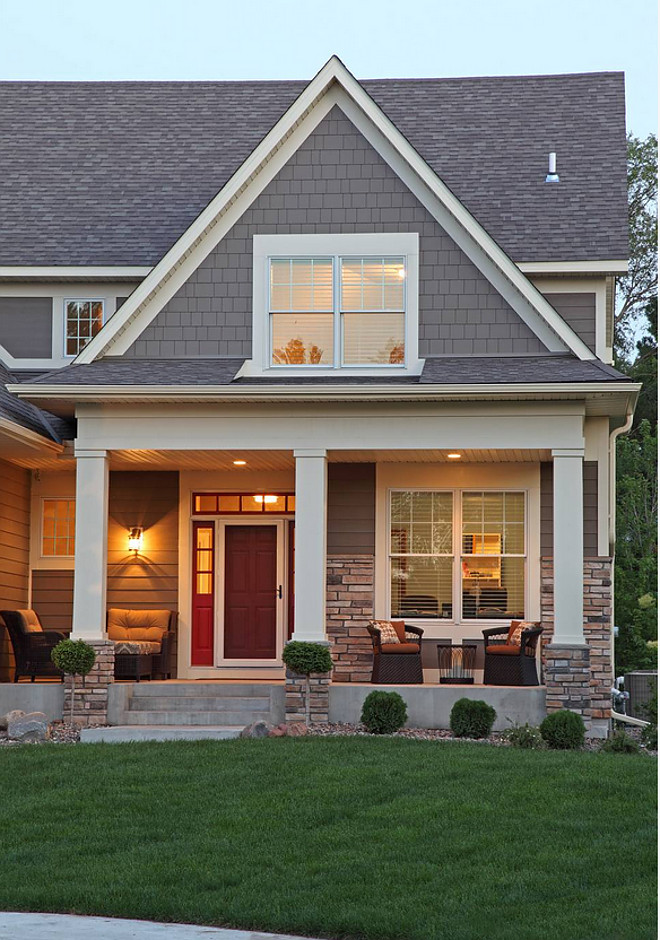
(83, 320)
(324, 303)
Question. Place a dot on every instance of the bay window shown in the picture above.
(457, 554)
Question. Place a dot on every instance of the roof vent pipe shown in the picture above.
(553, 176)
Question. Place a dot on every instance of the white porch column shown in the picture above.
(311, 524)
(91, 562)
(568, 553)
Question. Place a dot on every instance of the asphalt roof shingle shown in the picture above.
(112, 173)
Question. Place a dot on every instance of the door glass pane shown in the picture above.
(302, 339)
(205, 504)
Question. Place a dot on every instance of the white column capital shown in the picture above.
(82, 452)
(309, 452)
(569, 452)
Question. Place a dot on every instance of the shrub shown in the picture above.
(305, 658)
(650, 737)
(472, 718)
(525, 736)
(563, 730)
(620, 743)
(384, 712)
(74, 658)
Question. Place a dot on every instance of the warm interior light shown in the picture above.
(239, 463)
(454, 456)
(265, 499)
(135, 539)
(402, 273)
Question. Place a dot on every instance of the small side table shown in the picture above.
(456, 663)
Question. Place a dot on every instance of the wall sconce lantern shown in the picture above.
(135, 539)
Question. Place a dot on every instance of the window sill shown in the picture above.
(251, 369)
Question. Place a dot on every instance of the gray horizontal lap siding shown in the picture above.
(579, 311)
(351, 508)
(590, 497)
(26, 326)
(336, 182)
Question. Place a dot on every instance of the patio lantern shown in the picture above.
(135, 539)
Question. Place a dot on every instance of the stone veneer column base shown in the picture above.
(349, 607)
(319, 697)
(567, 680)
(598, 637)
(91, 694)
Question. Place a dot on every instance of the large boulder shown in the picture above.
(10, 716)
(27, 728)
(257, 729)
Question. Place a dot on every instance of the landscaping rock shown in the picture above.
(258, 729)
(10, 716)
(279, 731)
(296, 729)
(28, 728)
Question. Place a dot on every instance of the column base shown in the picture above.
(90, 709)
(319, 697)
(567, 680)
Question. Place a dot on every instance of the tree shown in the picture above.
(640, 286)
(74, 658)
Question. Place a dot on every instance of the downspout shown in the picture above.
(625, 427)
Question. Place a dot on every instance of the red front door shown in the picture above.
(250, 591)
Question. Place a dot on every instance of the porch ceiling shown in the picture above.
(284, 460)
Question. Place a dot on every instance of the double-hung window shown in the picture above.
(335, 302)
(83, 320)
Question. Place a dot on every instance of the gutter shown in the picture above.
(30, 438)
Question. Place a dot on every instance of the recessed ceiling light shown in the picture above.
(239, 463)
(454, 456)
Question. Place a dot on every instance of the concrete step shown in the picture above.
(218, 718)
(121, 733)
(198, 703)
(203, 689)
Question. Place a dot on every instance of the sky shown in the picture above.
(88, 40)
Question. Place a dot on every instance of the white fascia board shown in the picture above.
(17, 432)
(143, 298)
(272, 393)
(73, 271)
(573, 267)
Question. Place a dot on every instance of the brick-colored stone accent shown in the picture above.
(349, 607)
(91, 696)
(567, 679)
(319, 697)
(597, 634)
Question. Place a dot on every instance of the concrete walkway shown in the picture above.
(123, 733)
(68, 927)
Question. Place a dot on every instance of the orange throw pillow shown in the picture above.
(516, 629)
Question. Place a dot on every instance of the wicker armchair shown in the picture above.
(397, 663)
(509, 663)
(143, 642)
(32, 645)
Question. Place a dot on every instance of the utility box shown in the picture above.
(642, 685)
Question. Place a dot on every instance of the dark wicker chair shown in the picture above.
(511, 665)
(32, 645)
(396, 668)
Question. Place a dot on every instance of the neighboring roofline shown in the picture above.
(333, 72)
(573, 267)
(55, 271)
(263, 392)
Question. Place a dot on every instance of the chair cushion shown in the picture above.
(516, 629)
(136, 648)
(391, 631)
(137, 624)
(399, 647)
(30, 622)
(411, 637)
(504, 649)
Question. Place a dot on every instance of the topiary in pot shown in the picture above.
(74, 658)
(383, 712)
(305, 659)
(472, 718)
(563, 730)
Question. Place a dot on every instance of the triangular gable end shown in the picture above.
(332, 86)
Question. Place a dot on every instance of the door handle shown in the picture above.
(279, 592)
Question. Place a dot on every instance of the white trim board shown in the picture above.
(274, 150)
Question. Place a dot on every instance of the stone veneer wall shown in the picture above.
(319, 697)
(350, 605)
(91, 696)
(564, 667)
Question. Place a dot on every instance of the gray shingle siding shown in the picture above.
(26, 326)
(579, 311)
(336, 182)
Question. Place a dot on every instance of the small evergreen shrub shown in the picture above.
(306, 658)
(525, 736)
(73, 657)
(620, 743)
(650, 737)
(563, 730)
(472, 718)
(384, 712)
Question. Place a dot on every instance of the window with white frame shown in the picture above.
(329, 302)
(83, 320)
(58, 527)
(457, 554)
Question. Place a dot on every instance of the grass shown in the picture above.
(342, 837)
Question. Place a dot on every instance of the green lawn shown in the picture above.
(339, 837)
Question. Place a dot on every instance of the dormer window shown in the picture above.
(84, 319)
(324, 303)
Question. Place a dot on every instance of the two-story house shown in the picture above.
(336, 350)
